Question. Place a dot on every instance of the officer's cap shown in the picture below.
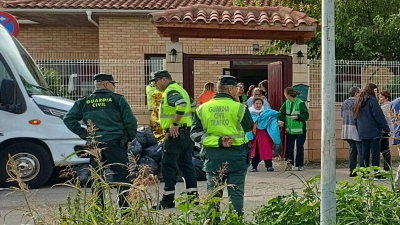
(227, 80)
(159, 74)
(104, 77)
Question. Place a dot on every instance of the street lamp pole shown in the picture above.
(328, 176)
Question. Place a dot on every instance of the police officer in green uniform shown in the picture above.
(175, 119)
(112, 115)
(220, 126)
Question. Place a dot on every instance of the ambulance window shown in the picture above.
(4, 74)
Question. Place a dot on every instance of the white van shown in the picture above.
(31, 126)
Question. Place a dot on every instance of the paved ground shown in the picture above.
(260, 187)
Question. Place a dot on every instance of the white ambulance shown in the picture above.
(31, 126)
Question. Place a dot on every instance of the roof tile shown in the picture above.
(234, 15)
(120, 4)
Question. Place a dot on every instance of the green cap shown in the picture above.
(159, 74)
(104, 77)
(227, 80)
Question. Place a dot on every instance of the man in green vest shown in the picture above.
(116, 124)
(176, 119)
(220, 125)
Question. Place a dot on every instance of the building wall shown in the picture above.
(53, 43)
(133, 37)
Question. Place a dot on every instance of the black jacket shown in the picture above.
(370, 120)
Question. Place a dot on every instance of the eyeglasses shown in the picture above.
(111, 83)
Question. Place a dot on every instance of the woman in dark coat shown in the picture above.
(371, 124)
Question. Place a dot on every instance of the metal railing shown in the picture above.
(386, 75)
(74, 78)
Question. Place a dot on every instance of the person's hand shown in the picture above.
(293, 117)
(281, 123)
(174, 131)
(226, 141)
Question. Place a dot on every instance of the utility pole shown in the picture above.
(328, 176)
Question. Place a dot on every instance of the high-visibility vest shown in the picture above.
(167, 112)
(293, 126)
(222, 117)
(150, 89)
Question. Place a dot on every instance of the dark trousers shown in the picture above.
(115, 157)
(371, 147)
(355, 154)
(385, 150)
(256, 160)
(235, 181)
(178, 153)
(300, 139)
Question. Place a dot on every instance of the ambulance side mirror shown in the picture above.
(7, 94)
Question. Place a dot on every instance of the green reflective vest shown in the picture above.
(293, 126)
(222, 117)
(167, 112)
(150, 89)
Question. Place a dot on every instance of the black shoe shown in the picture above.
(192, 197)
(164, 205)
(167, 202)
(352, 175)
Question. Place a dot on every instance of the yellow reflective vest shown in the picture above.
(293, 126)
(222, 117)
(150, 89)
(167, 112)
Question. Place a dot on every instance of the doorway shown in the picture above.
(249, 69)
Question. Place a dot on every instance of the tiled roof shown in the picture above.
(120, 4)
(234, 15)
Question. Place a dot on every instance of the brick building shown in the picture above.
(121, 31)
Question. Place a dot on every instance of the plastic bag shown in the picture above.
(109, 175)
(198, 169)
(135, 147)
(154, 152)
(150, 163)
(146, 137)
(83, 173)
(196, 152)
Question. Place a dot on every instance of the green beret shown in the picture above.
(227, 80)
(159, 74)
(104, 77)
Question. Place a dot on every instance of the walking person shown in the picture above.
(395, 106)
(257, 93)
(349, 130)
(371, 123)
(176, 120)
(384, 100)
(264, 135)
(220, 125)
(116, 124)
(293, 115)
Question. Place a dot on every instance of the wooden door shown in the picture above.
(275, 85)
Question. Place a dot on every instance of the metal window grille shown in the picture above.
(74, 78)
(386, 75)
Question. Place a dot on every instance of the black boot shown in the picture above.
(167, 202)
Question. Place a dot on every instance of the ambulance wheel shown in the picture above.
(33, 162)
